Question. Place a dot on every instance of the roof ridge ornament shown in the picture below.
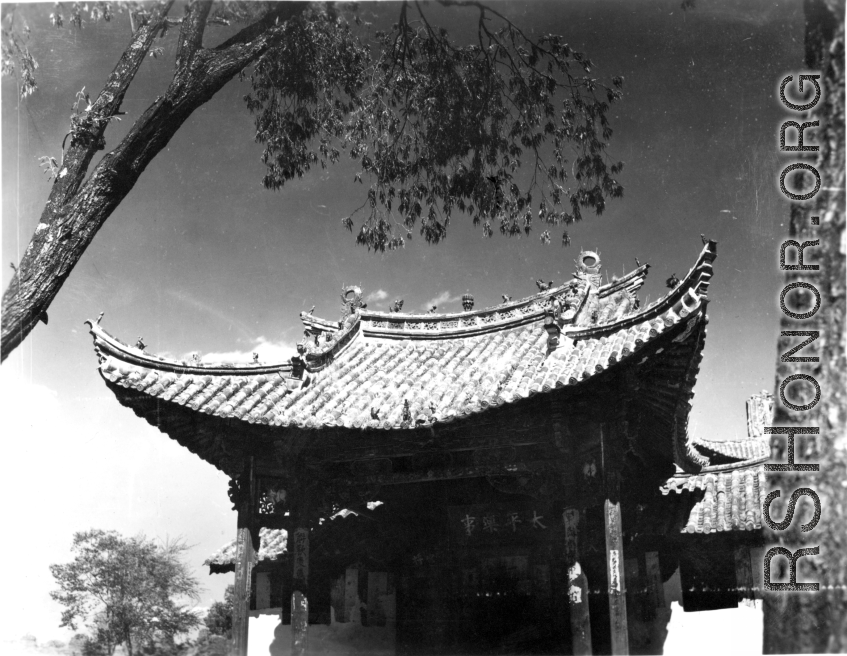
(351, 300)
(588, 266)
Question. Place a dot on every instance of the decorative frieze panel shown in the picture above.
(272, 497)
(238, 492)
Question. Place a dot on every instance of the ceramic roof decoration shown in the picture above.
(397, 371)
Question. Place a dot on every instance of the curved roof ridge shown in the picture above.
(631, 282)
(319, 324)
(105, 344)
(694, 286)
(744, 440)
(726, 467)
(512, 314)
(740, 450)
(334, 343)
(681, 301)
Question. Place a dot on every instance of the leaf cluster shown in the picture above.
(15, 55)
(437, 126)
(127, 590)
(219, 618)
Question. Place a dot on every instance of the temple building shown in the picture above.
(514, 479)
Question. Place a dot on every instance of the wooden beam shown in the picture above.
(577, 588)
(615, 569)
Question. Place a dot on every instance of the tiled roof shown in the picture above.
(272, 545)
(341, 531)
(396, 371)
(732, 493)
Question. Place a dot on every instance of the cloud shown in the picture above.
(378, 295)
(270, 352)
(443, 298)
(33, 414)
(223, 317)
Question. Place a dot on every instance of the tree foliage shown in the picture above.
(127, 591)
(437, 126)
(816, 622)
(510, 130)
(15, 57)
(219, 618)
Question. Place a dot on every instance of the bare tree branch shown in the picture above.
(58, 244)
(191, 33)
(278, 13)
(90, 129)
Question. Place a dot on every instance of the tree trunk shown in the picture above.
(803, 622)
(72, 218)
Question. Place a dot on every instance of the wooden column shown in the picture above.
(577, 588)
(745, 567)
(612, 452)
(299, 541)
(244, 556)
(655, 588)
(615, 569)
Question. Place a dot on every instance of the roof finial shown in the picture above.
(397, 306)
(99, 316)
(543, 286)
(351, 300)
(506, 298)
(140, 345)
(407, 413)
(255, 357)
(672, 282)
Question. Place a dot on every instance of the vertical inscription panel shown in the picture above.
(615, 562)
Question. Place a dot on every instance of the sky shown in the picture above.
(200, 258)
